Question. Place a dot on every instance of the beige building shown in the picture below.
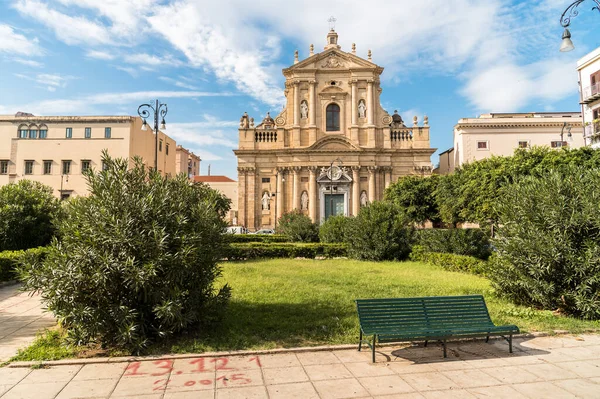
(227, 187)
(501, 134)
(332, 149)
(55, 150)
(187, 162)
(588, 68)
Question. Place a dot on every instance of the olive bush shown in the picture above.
(548, 242)
(298, 227)
(333, 228)
(137, 260)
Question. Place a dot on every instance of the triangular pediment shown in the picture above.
(334, 143)
(332, 59)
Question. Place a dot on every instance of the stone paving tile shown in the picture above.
(88, 389)
(365, 369)
(279, 360)
(52, 374)
(191, 382)
(412, 395)
(411, 368)
(385, 385)
(327, 372)
(580, 353)
(350, 356)
(187, 366)
(583, 368)
(239, 378)
(471, 378)
(429, 381)
(186, 395)
(243, 393)
(128, 387)
(449, 394)
(580, 387)
(512, 374)
(44, 390)
(284, 375)
(550, 372)
(497, 392)
(451, 365)
(12, 376)
(340, 389)
(298, 390)
(311, 358)
(133, 396)
(100, 371)
(542, 390)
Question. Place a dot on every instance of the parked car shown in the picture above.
(236, 230)
(264, 231)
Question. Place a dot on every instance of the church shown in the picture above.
(333, 148)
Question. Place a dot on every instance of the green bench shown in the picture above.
(427, 319)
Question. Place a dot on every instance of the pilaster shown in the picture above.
(312, 193)
(372, 186)
(279, 194)
(355, 190)
(296, 187)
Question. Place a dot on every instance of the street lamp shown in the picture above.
(569, 135)
(339, 162)
(159, 110)
(565, 21)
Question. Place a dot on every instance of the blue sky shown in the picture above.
(212, 60)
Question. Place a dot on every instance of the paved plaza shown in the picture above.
(544, 367)
(21, 316)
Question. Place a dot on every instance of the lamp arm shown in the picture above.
(571, 12)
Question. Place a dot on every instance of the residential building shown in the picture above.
(56, 150)
(501, 134)
(332, 149)
(226, 186)
(187, 162)
(588, 68)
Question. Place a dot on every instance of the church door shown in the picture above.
(334, 205)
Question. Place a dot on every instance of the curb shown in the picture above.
(127, 359)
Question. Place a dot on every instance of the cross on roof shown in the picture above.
(331, 21)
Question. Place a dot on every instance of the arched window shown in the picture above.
(333, 118)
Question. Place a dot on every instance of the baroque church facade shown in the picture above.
(333, 148)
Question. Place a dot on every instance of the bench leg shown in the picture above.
(444, 346)
(425, 346)
(374, 339)
(360, 341)
(487, 339)
(510, 344)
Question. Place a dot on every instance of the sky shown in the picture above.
(211, 61)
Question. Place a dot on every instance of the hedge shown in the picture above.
(451, 262)
(470, 242)
(241, 251)
(10, 259)
(240, 238)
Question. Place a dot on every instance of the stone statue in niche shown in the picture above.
(363, 199)
(362, 109)
(304, 201)
(303, 110)
(266, 199)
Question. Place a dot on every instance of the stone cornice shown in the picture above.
(67, 119)
(511, 125)
(361, 152)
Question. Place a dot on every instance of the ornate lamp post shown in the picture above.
(565, 21)
(159, 110)
(562, 132)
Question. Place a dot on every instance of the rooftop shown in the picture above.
(213, 179)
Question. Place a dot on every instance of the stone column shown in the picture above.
(372, 188)
(296, 187)
(370, 102)
(312, 193)
(354, 102)
(251, 195)
(313, 105)
(355, 190)
(241, 219)
(388, 176)
(296, 104)
(279, 193)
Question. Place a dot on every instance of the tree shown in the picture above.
(380, 231)
(298, 227)
(27, 209)
(137, 259)
(548, 242)
(333, 229)
(415, 195)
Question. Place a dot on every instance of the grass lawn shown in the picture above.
(289, 303)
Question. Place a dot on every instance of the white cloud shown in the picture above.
(49, 81)
(152, 60)
(100, 55)
(178, 83)
(16, 44)
(31, 63)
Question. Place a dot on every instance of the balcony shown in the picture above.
(592, 129)
(591, 94)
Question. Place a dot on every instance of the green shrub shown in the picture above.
(415, 195)
(451, 262)
(256, 238)
(137, 260)
(548, 242)
(244, 251)
(332, 230)
(10, 260)
(470, 242)
(379, 232)
(26, 212)
(298, 227)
